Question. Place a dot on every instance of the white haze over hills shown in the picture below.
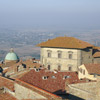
(25, 23)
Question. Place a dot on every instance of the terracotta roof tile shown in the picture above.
(95, 47)
(96, 54)
(4, 82)
(93, 68)
(6, 96)
(32, 63)
(55, 81)
(65, 42)
(46, 94)
(8, 64)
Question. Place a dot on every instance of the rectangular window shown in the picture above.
(83, 72)
(59, 67)
(59, 55)
(48, 67)
(49, 54)
(70, 56)
(70, 68)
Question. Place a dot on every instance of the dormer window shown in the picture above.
(34, 67)
(40, 66)
(45, 77)
(53, 77)
(66, 77)
(37, 70)
(34, 62)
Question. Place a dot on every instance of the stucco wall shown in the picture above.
(22, 92)
(86, 75)
(64, 61)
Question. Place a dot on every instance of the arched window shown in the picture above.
(49, 67)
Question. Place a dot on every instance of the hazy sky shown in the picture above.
(64, 14)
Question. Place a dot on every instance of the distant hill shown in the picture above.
(24, 41)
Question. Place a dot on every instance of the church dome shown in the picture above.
(11, 56)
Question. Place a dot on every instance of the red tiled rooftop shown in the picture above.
(65, 42)
(6, 96)
(96, 54)
(52, 85)
(46, 94)
(32, 63)
(97, 48)
(93, 68)
(4, 82)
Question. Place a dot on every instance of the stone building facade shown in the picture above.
(61, 59)
(67, 53)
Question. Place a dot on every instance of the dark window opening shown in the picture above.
(83, 72)
(48, 67)
(59, 67)
(70, 56)
(70, 68)
(49, 54)
(59, 55)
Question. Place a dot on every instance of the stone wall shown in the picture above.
(79, 57)
(96, 60)
(87, 55)
(87, 91)
(22, 92)
(64, 61)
